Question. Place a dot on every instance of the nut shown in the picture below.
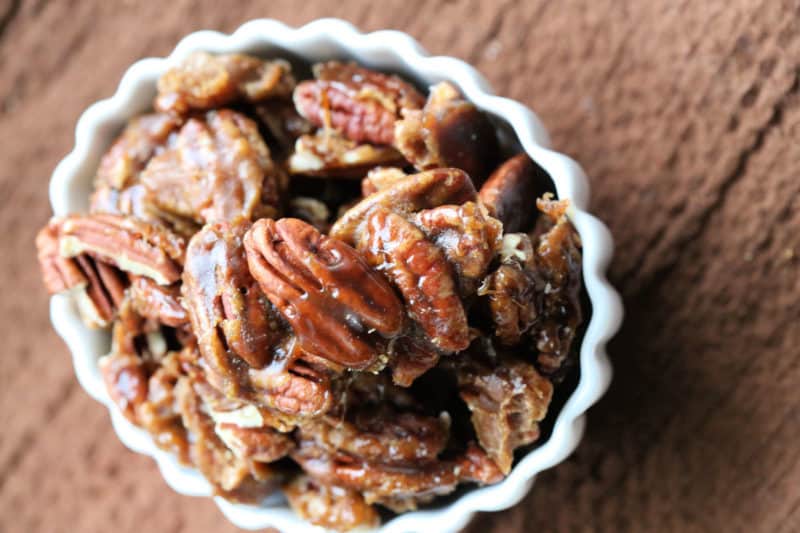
(335, 303)
(360, 103)
(125, 378)
(157, 302)
(329, 506)
(327, 153)
(293, 388)
(509, 193)
(412, 357)
(380, 178)
(420, 272)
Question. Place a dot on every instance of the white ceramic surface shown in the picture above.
(390, 50)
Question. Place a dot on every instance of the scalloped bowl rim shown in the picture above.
(390, 49)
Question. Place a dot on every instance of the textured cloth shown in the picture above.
(686, 116)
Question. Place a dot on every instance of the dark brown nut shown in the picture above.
(420, 271)
(509, 192)
(328, 153)
(558, 262)
(419, 191)
(232, 477)
(230, 316)
(380, 178)
(204, 81)
(142, 138)
(411, 357)
(157, 302)
(360, 103)
(125, 377)
(217, 169)
(329, 506)
(281, 123)
(335, 303)
(448, 132)
(130, 244)
(507, 401)
(467, 235)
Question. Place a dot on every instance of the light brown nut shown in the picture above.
(328, 153)
(448, 132)
(58, 273)
(336, 304)
(125, 377)
(230, 316)
(143, 137)
(218, 168)
(380, 178)
(420, 271)
(411, 357)
(360, 103)
(204, 81)
(293, 389)
(130, 244)
(157, 302)
(261, 444)
(467, 235)
(509, 192)
(329, 506)
(419, 191)
(507, 401)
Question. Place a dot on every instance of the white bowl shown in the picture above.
(389, 50)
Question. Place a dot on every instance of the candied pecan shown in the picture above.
(130, 244)
(507, 401)
(143, 137)
(204, 81)
(333, 300)
(419, 191)
(412, 357)
(218, 168)
(329, 506)
(125, 377)
(294, 390)
(230, 316)
(509, 193)
(262, 444)
(361, 103)
(282, 125)
(380, 178)
(157, 302)
(467, 235)
(328, 153)
(421, 273)
(448, 132)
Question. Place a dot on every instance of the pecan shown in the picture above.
(311, 210)
(329, 506)
(507, 401)
(282, 125)
(258, 444)
(230, 316)
(218, 168)
(295, 390)
(468, 236)
(361, 103)
(412, 357)
(335, 303)
(509, 191)
(204, 81)
(130, 244)
(380, 178)
(448, 132)
(420, 272)
(328, 153)
(157, 302)
(125, 377)
(419, 191)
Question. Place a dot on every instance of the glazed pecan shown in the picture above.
(157, 302)
(419, 191)
(230, 316)
(281, 123)
(412, 356)
(448, 132)
(204, 81)
(125, 377)
(293, 388)
(218, 168)
(360, 103)
(329, 506)
(335, 303)
(509, 193)
(328, 153)
(467, 235)
(420, 271)
(380, 178)
(132, 245)
(507, 401)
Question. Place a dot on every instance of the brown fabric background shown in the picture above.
(686, 115)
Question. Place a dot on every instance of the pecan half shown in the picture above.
(130, 244)
(467, 235)
(204, 81)
(333, 300)
(157, 302)
(419, 191)
(507, 401)
(509, 193)
(293, 389)
(230, 316)
(329, 506)
(361, 103)
(125, 377)
(281, 123)
(448, 132)
(420, 271)
(380, 178)
(412, 357)
(218, 168)
(327, 153)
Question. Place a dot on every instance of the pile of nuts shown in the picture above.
(329, 287)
